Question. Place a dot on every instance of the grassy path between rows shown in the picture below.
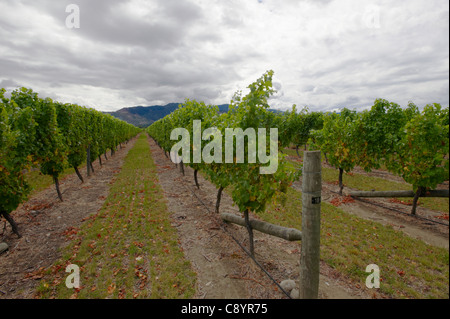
(129, 248)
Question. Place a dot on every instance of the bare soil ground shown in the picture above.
(43, 221)
(224, 269)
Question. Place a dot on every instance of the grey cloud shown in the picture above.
(206, 93)
(106, 26)
(103, 22)
(160, 55)
(277, 85)
(319, 90)
(8, 84)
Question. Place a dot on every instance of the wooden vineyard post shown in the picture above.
(310, 253)
(88, 160)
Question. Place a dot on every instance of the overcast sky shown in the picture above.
(326, 54)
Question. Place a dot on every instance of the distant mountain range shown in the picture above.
(143, 116)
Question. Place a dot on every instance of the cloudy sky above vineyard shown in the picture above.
(326, 54)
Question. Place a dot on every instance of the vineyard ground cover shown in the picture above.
(223, 269)
(43, 220)
(128, 250)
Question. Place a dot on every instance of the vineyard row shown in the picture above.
(51, 136)
(408, 142)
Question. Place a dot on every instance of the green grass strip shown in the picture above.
(129, 248)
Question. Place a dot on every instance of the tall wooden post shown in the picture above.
(310, 253)
(88, 160)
